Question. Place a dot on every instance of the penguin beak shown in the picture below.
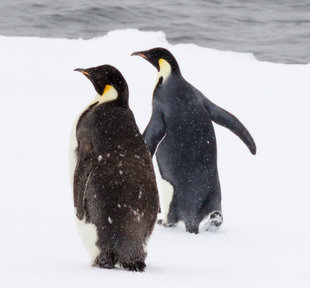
(147, 56)
(139, 53)
(82, 71)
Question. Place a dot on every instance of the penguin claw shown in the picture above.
(193, 230)
(165, 224)
(103, 262)
(105, 265)
(138, 266)
(215, 221)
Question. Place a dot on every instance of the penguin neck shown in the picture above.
(111, 95)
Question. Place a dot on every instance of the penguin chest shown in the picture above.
(89, 236)
(72, 146)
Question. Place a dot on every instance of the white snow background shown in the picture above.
(264, 240)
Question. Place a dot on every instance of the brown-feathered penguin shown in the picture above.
(181, 130)
(115, 192)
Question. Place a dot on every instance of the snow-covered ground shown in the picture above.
(264, 241)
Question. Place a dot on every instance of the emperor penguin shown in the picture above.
(114, 187)
(181, 130)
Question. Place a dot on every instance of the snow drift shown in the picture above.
(264, 241)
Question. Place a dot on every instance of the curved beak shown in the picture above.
(82, 71)
(139, 53)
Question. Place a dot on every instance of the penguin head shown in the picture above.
(108, 82)
(161, 59)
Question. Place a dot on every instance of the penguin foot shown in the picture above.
(102, 262)
(192, 228)
(105, 265)
(138, 266)
(165, 224)
(215, 221)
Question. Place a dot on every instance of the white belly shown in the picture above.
(166, 191)
(89, 236)
(166, 194)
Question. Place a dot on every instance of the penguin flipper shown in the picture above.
(229, 121)
(155, 131)
(82, 173)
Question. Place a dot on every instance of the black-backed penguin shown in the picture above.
(181, 126)
(114, 187)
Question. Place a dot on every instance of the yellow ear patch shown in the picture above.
(164, 70)
(109, 94)
(161, 61)
(106, 89)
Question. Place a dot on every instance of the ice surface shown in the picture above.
(264, 240)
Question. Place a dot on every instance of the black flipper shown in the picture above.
(224, 118)
(155, 131)
(81, 175)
